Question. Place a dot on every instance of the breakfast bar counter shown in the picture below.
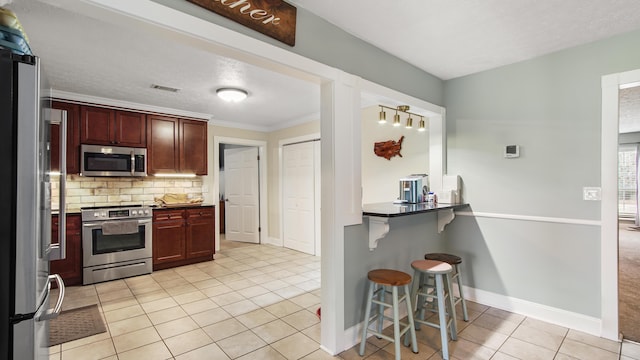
(404, 209)
(380, 213)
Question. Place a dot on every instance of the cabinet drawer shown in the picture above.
(200, 212)
(160, 215)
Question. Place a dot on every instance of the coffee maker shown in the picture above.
(414, 188)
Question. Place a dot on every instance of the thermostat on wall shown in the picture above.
(512, 151)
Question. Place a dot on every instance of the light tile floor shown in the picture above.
(260, 302)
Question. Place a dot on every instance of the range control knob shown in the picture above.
(134, 212)
(96, 214)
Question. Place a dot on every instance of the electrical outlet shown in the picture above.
(592, 193)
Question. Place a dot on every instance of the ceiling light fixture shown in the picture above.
(232, 94)
(396, 118)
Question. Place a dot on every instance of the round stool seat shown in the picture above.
(448, 258)
(432, 266)
(389, 277)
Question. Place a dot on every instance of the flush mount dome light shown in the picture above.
(231, 94)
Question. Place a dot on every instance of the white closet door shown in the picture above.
(299, 197)
(242, 210)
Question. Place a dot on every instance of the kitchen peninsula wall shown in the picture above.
(109, 191)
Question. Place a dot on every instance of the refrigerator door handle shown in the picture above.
(59, 250)
(53, 313)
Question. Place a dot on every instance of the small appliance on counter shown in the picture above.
(414, 188)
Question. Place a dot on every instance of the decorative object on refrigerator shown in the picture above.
(12, 35)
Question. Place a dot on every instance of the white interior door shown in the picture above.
(299, 190)
(242, 210)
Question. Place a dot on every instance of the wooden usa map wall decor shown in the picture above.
(388, 149)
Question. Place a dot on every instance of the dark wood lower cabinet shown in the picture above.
(70, 268)
(182, 236)
(199, 230)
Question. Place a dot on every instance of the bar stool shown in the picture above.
(379, 279)
(439, 293)
(454, 261)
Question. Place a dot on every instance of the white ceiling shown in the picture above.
(445, 38)
(453, 38)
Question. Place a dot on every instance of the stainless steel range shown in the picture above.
(116, 242)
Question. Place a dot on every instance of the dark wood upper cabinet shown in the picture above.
(101, 126)
(131, 129)
(193, 147)
(162, 149)
(73, 138)
(176, 145)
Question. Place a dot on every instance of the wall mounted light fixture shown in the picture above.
(396, 118)
(232, 94)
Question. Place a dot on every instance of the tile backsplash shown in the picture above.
(107, 191)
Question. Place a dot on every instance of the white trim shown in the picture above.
(530, 218)
(120, 104)
(561, 317)
(609, 205)
(262, 163)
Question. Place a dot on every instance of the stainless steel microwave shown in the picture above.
(99, 160)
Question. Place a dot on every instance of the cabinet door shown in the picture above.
(69, 268)
(131, 129)
(193, 147)
(162, 144)
(97, 126)
(168, 241)
(200, 237)
(73, 138)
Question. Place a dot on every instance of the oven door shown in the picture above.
(100, 249)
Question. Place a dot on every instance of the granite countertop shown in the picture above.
(181, 206)
(393, 210)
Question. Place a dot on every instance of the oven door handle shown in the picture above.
(99, 224)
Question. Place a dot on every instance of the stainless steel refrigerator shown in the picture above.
(25, 211)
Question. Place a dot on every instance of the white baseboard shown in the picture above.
(568, 319)
(274, 241)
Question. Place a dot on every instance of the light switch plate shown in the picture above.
(592, 193)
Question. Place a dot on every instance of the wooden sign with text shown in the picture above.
(274, 18)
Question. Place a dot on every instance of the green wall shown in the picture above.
(551, 107)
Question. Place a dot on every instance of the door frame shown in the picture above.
(340, 122)
(281, 144)
(262, 182)
(609, 204)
